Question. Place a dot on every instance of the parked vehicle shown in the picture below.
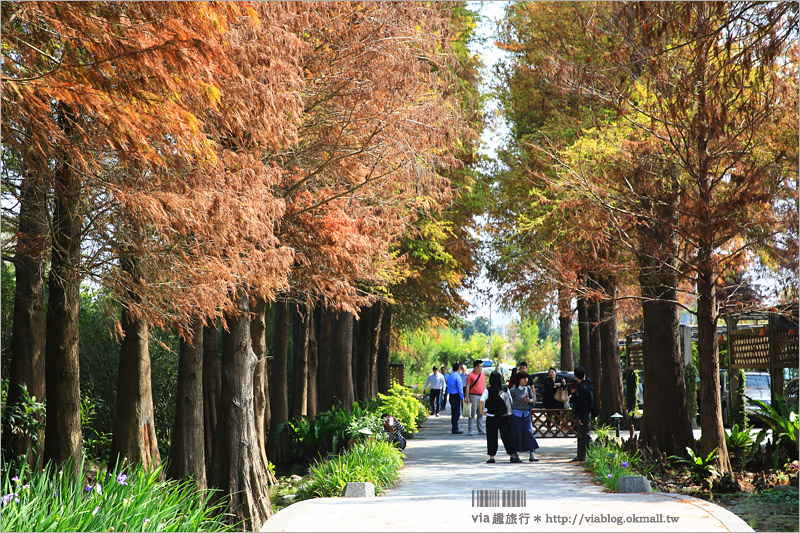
(757, 386)
(538, 384)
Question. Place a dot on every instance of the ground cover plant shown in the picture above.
(53, 500)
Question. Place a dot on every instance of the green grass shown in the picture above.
(138, 501)
(371, 460)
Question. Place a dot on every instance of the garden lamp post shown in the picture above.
(616, 417)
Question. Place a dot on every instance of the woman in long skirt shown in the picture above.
(522, 399)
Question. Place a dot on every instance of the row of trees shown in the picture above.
(201, 161)
(652, 158)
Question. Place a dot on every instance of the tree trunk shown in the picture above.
(374, 343)
(565, 324)
(325, 392)
(299, 391)
(341, 373)
(187, 458)
(27, 366)
(595, 348)
(279, 450)
(384, 383)
(134, 437)
(583, 335)
(238, 468)
(361, 354)
(62, 370)
(708, 356)
(612, 397)
(212, 388)
(666, 423)
(258, 339)
(313, 362)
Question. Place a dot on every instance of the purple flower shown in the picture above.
(99, 489)
(625, 464)
(122, 479)
(15, 479)
(95, 510)
(8, 497)
(610, 476)
(146, 520)
(88, 488)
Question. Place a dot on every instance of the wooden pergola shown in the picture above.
(764, 340)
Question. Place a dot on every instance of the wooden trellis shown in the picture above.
(553, 423)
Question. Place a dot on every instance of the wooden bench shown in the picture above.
(553, 423)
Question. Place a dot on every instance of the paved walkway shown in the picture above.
(443, 470)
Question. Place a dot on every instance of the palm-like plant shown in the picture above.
(700, 468)
(782, 419)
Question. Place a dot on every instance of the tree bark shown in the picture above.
(374, 344)
(62, 370)
(361, 353)
(301, 322)
(134, 432)
(278, 386)
(708, 356)
(341, 373)
(134, 437)
(187, 458)
(238, 468)
(613, 399)
(27, 366)
(261, 406)
(583, 334)
(565, 325)
(325, 393)
(212, 389)
(384, 383)
(666, 423)
(313, 362)
(595, 346)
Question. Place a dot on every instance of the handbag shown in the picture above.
(562, 396)
(467, 410)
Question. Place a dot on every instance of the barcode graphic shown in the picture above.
(498, 498)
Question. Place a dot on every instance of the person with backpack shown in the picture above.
(583, 408)
(495, 405)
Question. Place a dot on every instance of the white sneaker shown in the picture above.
(470, 433)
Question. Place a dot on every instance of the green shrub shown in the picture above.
(372, 460)
(402, 405)
(26, 418)
(138, 501)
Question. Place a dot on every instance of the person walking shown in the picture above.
(436, 383)
(476, 384)
(583, 402)
(443, 397)
(495, 405)
(455, 393)
(463, 371)
(522, 399)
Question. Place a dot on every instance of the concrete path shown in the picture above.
(443, 472)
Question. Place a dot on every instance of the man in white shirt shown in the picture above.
(436, 383)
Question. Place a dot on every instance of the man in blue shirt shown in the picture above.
(455, 393)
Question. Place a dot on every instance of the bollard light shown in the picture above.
(616, 417)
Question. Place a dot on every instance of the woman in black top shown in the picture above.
(550, 387)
